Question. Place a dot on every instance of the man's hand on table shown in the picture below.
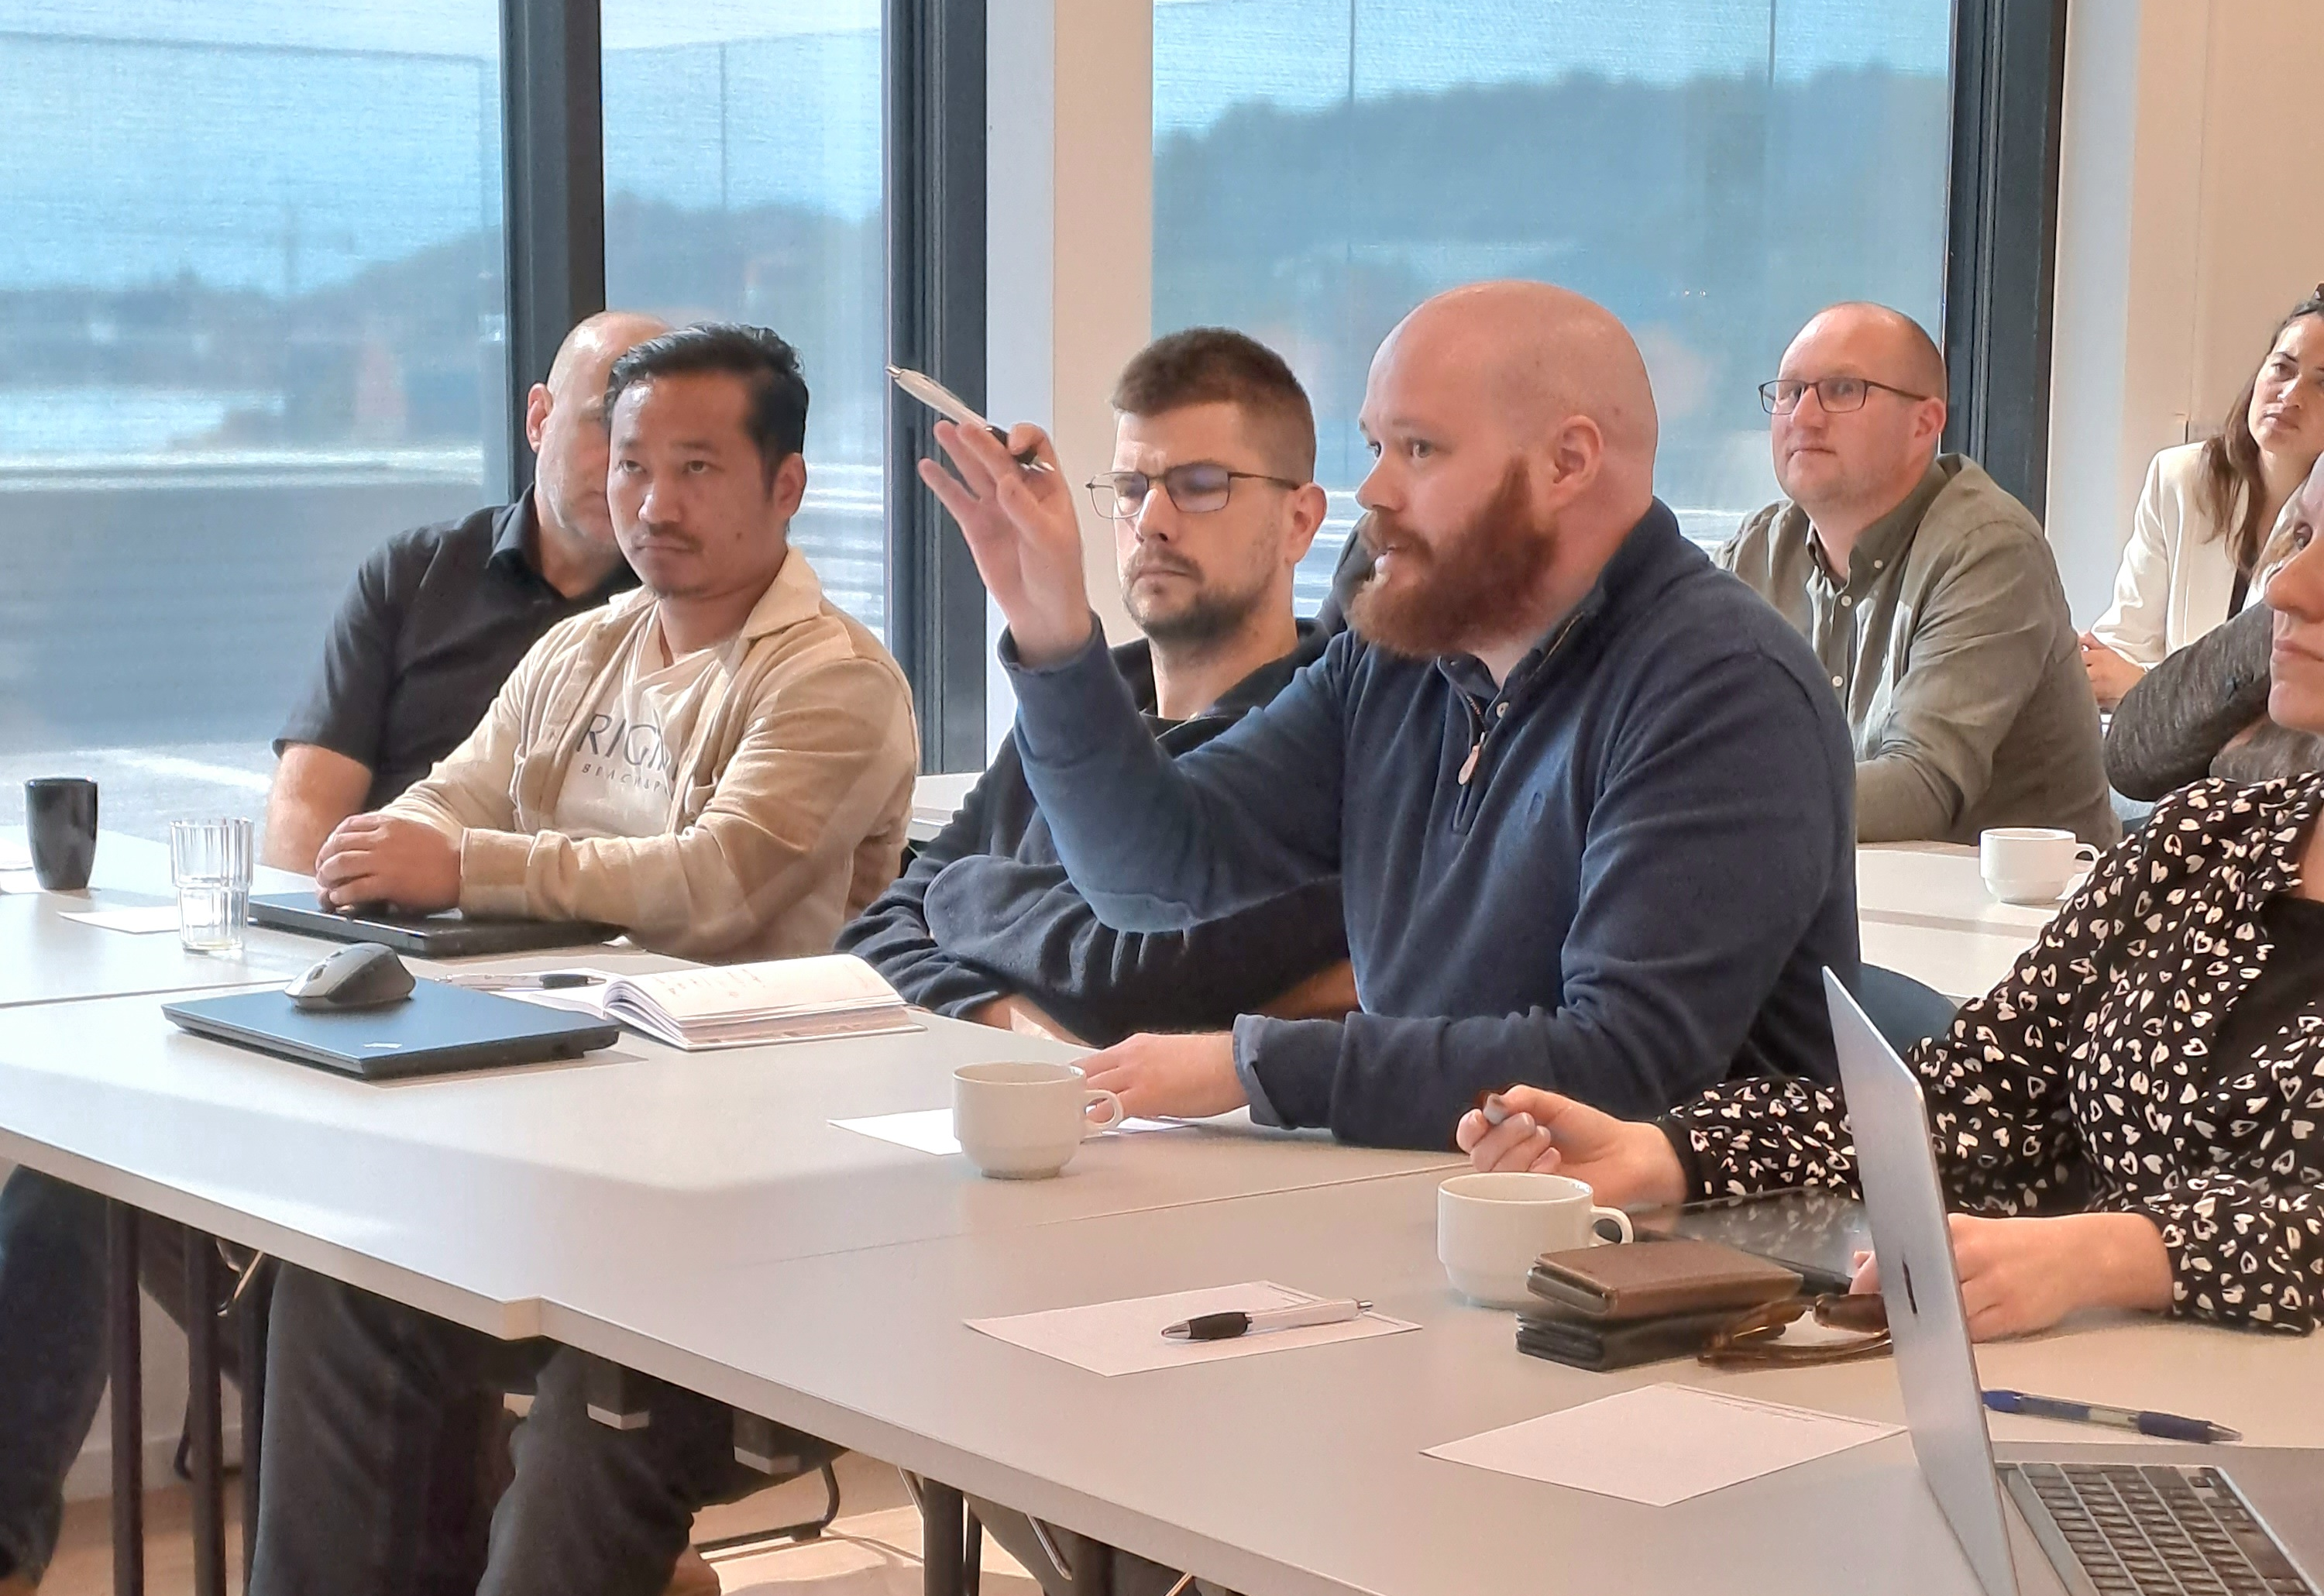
(1023, 533)
(387, 859)
(1181, 1077)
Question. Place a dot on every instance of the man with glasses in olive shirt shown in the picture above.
(437, 616)
(1927, 592)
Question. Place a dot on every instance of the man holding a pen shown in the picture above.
(1588, 798)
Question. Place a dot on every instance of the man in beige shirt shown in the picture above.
(1928, 593)
(721, 762)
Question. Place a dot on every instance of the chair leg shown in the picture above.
(252, 1326)
(123, 1328)
(204, 1421)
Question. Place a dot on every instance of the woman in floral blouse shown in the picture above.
(2134, 1118)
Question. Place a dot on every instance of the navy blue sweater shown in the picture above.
(1626, 896)
(984, 911)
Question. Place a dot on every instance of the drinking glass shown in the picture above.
(210, 862)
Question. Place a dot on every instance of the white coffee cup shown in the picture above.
(2030, 863)
(1022, 1121)
(1490, 1228)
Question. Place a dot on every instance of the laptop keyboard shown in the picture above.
(2152, 1530)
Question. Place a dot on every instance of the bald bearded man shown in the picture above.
(1589, 799)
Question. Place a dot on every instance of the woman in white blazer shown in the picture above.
(2193, 558)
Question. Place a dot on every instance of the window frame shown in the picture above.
(2008, 73)
(2009, 77)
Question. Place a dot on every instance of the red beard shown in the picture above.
(1477, 586)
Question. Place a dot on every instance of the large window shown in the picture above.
(742, 181)
(250, 324)
(1713, 170)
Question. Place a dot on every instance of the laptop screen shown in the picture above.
(1905, 1203)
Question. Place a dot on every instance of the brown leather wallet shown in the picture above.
(1617, 1284)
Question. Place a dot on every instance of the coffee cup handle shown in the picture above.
(2088, 853)
(1114, 1115)
(1621, 1222)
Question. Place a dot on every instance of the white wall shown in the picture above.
(2187, 225)
(1069, 264)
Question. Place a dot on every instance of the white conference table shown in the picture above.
(936, 799)
(46, 957)
(1922, 911)
(482, 1197)
(1301, 1473)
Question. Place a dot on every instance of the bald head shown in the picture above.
(1543, 354)
(1514, 429)
(1869, 420)
(1898, 346)
(565, 421)
(590, 349)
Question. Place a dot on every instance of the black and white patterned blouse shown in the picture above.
(2087, 1080)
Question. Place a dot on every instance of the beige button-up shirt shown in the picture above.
(1954, 654)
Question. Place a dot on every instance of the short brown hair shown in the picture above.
(1219, 365)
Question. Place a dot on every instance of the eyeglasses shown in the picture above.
(1755, 1338)
(1783, 396)
(1197, 488)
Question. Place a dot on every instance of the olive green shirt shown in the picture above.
(1954, 656)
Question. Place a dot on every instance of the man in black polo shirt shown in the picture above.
(437, 616)
(435, 619)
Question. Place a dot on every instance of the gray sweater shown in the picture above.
(1954, 656)
(2203, 712)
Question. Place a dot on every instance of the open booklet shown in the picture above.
(740, 1005)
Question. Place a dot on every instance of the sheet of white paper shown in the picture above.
(14, 856)
(19, 880)
(1660, 1444)
(137, 922)
(930, 1130)
(1125, 1337)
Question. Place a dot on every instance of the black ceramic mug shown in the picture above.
(61, 825)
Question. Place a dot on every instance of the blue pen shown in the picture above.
(2168, 1426)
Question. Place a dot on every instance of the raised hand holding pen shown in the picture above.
(1022, 531)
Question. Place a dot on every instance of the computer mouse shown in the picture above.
(360, 975)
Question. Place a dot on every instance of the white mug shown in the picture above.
(2030, 863)
(1023, 1121)
(1490, 1228)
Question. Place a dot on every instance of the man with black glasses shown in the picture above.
(1212, 502)
(1928, 593)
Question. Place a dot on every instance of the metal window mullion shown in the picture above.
(552, 111)
(2001, 247)
(932, 92)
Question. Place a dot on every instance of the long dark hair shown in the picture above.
(2231, 487)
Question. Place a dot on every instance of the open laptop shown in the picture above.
(2129, 1519)
(440, 1031)
(450, 935)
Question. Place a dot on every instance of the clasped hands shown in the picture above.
(2017, 1275)
(407, 864)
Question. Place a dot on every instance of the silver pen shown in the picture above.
(1227, 1326)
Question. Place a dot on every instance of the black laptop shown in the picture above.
(439, 1030)
(450, 935)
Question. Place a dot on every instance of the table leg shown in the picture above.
(122, 1334)
(943, 1532)
(252, 1324)
(204, 1420)
(972, 1568)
